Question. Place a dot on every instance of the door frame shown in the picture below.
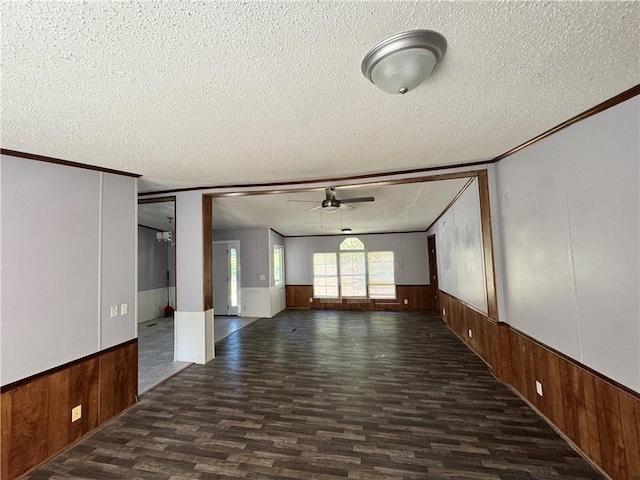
(235, 244)
(433, 270)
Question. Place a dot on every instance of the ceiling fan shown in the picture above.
(331, 204)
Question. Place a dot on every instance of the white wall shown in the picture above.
(68, 253)
(254, 254)
(410, 254)
(258, 296)
(460, 250)
(569, 224)
(189, 265)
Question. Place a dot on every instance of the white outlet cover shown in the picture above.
(470, 334)
(76, 413)
(443, 311)
(538, 388)
(406, 301)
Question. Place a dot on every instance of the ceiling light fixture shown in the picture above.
(402, 62)
(166, 237)
(330, 205)
(346, 230)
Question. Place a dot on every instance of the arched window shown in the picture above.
(352, 243)
(353, 269)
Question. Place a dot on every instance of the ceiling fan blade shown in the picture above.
(357, 200)
(304, 201)
(314, 208)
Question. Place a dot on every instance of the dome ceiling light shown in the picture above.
(402, 62)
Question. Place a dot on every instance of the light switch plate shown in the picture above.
(538, 388)
(114, 311)
(124, 309)
(470, 333)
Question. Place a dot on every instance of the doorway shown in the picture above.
(226, 277)
(433, 271)
(156, 292)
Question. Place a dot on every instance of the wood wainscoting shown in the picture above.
(36, 412)
(419, 297)
(600, 416)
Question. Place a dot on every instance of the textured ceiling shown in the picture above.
(403, 207)
(397, 208)
(225, 93)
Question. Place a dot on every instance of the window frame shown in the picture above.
(336, 276)
(353, 245)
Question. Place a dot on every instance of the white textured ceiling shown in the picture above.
(226, 93)
(229, 93)
(397, 208)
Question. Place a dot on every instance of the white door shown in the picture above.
(226, 278)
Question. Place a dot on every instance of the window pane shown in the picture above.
(353, 274)
(382, 291)
(381, 275)
(233, 261)
(278, 265)
(325, 275)
(351, 244)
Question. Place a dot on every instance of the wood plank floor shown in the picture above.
(328, 395)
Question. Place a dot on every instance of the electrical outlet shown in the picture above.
(470, 333)
(406, 301)
(114, 311)
(76, 413)
(538, 388)
(124, 309)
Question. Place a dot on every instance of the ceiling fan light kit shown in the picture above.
(402, 62)
(331, 204)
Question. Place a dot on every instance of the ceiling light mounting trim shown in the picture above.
(402, 62)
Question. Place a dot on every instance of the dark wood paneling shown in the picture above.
(118, 381)
(630, 413)
(592, 445)
(502, 368)
(59, 411)
(610, 429)
(461, 318)
(600, 417)
(27, 445)
(298, 296)
(36, 415)
(418, 297)
(6, 407)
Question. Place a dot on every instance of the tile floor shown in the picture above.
(155, 347)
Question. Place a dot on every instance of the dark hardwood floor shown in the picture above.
(329, 395)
